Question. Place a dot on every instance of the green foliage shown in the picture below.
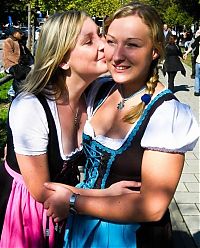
(3, 92)
(3, 115)
(4, 105)
(173, 16)
(102, 7)
(192, 7)
(94, 7)
(184, 11)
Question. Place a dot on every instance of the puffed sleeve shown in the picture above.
(172, 128)
(29, 126)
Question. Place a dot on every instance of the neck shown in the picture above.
(127, 91)
(75, 89)
(74, 94)
(124, 99)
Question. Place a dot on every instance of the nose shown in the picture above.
(118, 53)
(101, 44)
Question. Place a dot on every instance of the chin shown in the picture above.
(122, 78)
(104, 70)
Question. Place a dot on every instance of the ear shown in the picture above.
(64, 65)
(155, 54)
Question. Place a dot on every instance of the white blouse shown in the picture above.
(177, 131)
(28, 122)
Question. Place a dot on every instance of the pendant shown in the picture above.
(76, 119)
(120, 105)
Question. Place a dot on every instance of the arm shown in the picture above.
(35, 172)
(56, 204)
(160, 175)
(118, 188)
(193, 45)
(187, 52)
(30, 143)
(180, 54)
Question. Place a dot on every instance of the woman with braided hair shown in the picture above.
(136, 130)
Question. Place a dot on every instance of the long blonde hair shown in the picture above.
(57, 38)
(151, 18)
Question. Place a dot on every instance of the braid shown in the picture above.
(152, 83)
(136, 111)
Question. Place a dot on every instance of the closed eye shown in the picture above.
(110, 42)
(89, 42)
(132, 45)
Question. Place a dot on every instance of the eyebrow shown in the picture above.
(91, 33)
(128, 39)
(83, 37)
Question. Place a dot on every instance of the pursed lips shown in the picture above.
(101, 58)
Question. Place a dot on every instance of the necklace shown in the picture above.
(76, 117)
(121, 104)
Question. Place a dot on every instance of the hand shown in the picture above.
(57, 204)
(185, 56)
(124, 187)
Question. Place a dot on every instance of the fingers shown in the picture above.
(130, 187)
(46, 205)
(130, 191)
(57, 219)
(49, 212)
(53, 216)
(130, 184)
(51, 186)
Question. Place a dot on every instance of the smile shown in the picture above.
(120, 68)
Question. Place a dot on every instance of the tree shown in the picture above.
(192, 7)
(102, 7)
(186, 9)
(173, 17)
(92, 7)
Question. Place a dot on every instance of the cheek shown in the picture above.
(91, 54)
(108, 51)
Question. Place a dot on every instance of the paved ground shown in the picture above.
(185, 207)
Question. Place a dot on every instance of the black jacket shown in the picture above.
(195, 45)
(172, 59)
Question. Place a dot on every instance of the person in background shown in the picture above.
(196, 47)
(46, 122)
(167, 32)
(11, 54)
(173, 31)
(187, 37)
(136, 130)
(172, 63)
(11, 49)
(17, 59)
(193, 58)
(26, 58)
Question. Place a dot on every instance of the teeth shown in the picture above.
(120, 67)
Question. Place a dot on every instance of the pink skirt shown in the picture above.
(25, 219)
